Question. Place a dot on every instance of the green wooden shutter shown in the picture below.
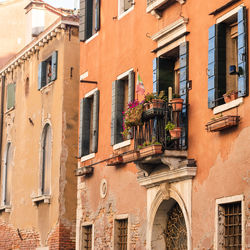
(117, 109)
(211, 66)
(89, 19)
(131, 86)
(156, 75)
(183, 53)
(41, 75)
(82, 24)
(54, 66)
(95, 121)
(97, 15)
(85, 130)
(11, 89)
(242, 52)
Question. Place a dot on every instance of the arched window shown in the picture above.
(46, 160)
(7, 175)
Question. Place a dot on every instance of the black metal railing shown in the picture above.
(153, 128)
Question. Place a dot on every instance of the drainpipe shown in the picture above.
(2, 116)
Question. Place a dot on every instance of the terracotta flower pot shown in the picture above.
(175, 133)
(231, 97)
(150, 150)
(157, 103)
(177, 104)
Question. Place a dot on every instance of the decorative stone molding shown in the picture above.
(41, 198)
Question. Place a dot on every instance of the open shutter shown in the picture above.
(54, 66)
(156, 75)
(211, 66)
(242, 52)
(80, 129)
(11, 95)
(97, 15)
(117, 109)
(41, 75)
(82, 24)
(89, 19)
(183, 51)
(95, 121)
(131, 86)
(85, 128)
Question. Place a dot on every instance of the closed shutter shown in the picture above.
(41, 75)
(211, 66)
(89, 19)
(11, 89)
(95, 121)
(156, 75)
(97, 15)
(117, 109)
(242, 52)
(54, 66)
(82, 24)
(183, 52)
(85, 127)
(131, 86)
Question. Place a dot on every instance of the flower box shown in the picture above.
(116, 160)
(150, 150)
(230, 97)
(131, 156)
(221, 123)
(157, 104)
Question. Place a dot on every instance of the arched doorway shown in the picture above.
(169, 227)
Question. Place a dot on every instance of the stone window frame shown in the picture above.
(85, 224)
(226, 200)
(121, 11)
(121, 217)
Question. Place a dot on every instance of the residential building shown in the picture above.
(39, 119)
(194, 194)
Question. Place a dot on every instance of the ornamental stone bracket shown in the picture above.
(171, 166)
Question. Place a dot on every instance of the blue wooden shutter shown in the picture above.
(211, 66)
(156, 75)
(89, 19)
(54, 66)
(95, 121)
(82, 23)
(131, 86)
(41, 74)
(97, 15)
(242, 52)
(183, 53)
(117, 109)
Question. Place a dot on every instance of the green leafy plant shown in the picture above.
(149, 97)
(169, 126)
(176, 96)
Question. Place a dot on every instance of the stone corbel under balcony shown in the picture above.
(41, 198)
(171, 166)
(155, 7)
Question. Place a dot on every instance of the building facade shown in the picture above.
(39, 117)
(194, 192)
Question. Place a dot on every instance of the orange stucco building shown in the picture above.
(194, 194)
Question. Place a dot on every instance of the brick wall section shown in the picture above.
(10, 239)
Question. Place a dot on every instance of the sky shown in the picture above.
(68, 4)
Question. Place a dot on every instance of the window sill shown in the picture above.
(41, 198)
(121, 15)
(9, 110)
(122, 144)
(227, 106)
(5, 208)
(43, 89)
(92, 37)
(87, 157)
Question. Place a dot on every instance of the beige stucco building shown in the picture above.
(39, 103)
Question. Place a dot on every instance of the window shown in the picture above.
(46, 160)
(6, 181)
(230, 225)
(89, 18)
(47, 71)
(89, 123)
(86, 237)
(11, 93)
(125, 5)
(123, 91)
(227, 58)
(121, 234)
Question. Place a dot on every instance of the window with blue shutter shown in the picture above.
(89, 18)
(227, 58)
(89, 124)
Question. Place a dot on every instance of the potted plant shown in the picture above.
(132, 117)
(148, 99)
(175, 132)
(150, 148)
(177, 102)
(230, 95)
(158, 100)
